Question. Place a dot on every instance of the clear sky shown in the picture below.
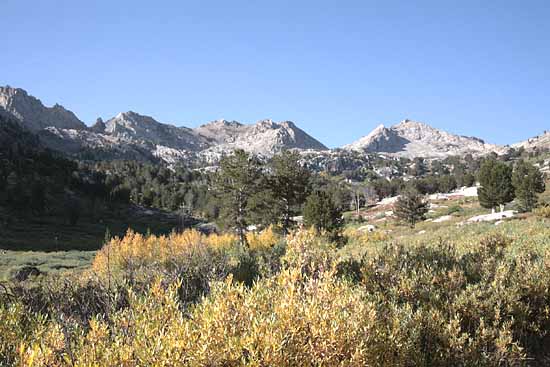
(336, 68)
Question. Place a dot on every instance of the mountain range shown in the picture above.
(132, 135)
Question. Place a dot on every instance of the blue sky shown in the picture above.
(336, 68)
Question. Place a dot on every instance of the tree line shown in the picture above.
(499, 184)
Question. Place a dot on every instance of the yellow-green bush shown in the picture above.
(263, 240)
(482, 301)
(135, 249)
(543, 211)
(365, 237)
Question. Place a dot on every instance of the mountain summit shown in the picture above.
(32, 114)
(130, 134)
(266, 137)
(416, 139)
(133, 127)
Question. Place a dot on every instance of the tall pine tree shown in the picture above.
(237, 181)
(528, 182)
(289, 183)
(321, 213)
(496, 188)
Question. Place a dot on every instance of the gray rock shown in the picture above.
(416, 139)
(32, 114)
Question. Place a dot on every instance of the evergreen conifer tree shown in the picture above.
(410, 207)
(528, 182)
(496, 188)
(237, 181)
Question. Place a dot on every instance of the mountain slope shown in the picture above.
(32, 114)
(130, 135)
(538, 142)
(416, 139)
(133, 127)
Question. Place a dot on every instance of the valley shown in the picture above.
(255, 244)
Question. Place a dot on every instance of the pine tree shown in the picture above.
(496, 188)
(288, 186)
(528, 182)
(321, 213)
(237, 181)
(410, 207)
(418, 168)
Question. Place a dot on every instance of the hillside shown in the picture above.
(541, 142)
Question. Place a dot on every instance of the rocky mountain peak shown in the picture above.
(267, 124)
(99, 126)
(417, 139)
(33, 115)
(288, 124)
(222, 123)
(266, 137)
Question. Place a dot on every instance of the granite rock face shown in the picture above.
(32, 114)
(412, 139)
(266, 137)
(130, 135)
(133, 127)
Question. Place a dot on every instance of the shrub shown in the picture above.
(454, 209)
(190, 257)
(263, 240)
(479, 303)
(267, 249)
(543, 211)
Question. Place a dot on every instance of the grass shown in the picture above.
(48, 263)
(52, 233)
(525, 230)
(53, 246)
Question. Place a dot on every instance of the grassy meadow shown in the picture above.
(440, 294)
(53, 233)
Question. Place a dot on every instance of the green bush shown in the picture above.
(454, 209)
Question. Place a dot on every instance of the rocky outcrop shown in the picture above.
(32, 114)
(133, 127)
(266, 137)
(416, 139)
(130, 134)
(99, 126)
(540, 142)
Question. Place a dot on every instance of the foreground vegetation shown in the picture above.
(476, 295)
